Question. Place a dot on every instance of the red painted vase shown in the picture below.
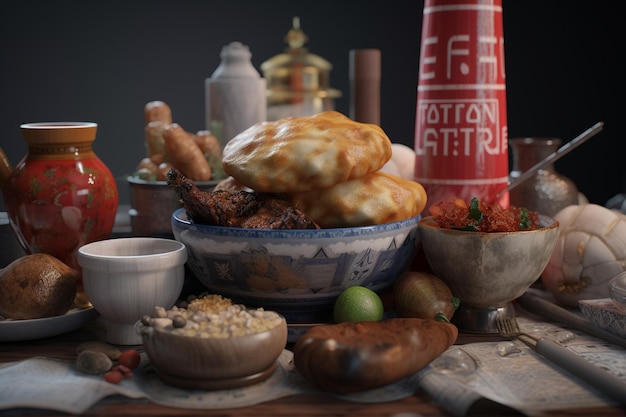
(60, 196)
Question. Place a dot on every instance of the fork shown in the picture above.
(611, 385)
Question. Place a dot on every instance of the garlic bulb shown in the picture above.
(591, 250)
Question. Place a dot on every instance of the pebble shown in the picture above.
(179, 321)
(93, 362)
(506, 348)
(111, 351)
(564, 336)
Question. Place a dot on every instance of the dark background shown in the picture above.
(103, 61)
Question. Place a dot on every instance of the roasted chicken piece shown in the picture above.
(236, 209)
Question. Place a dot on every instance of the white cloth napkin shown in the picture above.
(50, 384)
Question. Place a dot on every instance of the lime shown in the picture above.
(356, 304)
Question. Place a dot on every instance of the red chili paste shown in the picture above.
(480, 216)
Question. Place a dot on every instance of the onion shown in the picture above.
(423, 295)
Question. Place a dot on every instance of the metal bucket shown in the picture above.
(152, 204)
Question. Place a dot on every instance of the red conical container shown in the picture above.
(60, 196)
(461, 139)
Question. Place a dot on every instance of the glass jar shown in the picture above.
(60, 196)
(547, 192)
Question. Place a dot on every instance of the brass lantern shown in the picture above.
(297, 80)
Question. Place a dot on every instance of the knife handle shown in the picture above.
(545, 308)
(582, 368)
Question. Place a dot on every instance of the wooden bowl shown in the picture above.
(210, 363)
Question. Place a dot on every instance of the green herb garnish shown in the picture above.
(474, 215)
(524, 219)
(474, 210)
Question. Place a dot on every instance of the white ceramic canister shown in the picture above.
(235, 94)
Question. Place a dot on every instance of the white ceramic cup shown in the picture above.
(126, 278)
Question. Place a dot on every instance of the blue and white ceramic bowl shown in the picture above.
(298, 273)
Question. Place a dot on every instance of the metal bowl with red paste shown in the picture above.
(480, 216)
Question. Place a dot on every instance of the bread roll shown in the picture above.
(36, 286)
(305, 153)
(376, 198)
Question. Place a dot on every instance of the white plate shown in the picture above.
(19, 330)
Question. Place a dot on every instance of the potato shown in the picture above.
(36, 286)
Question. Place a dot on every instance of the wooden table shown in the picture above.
(306, 405)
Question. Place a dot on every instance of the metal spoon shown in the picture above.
(562, 151)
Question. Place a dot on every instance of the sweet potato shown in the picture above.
(157, 111)
(162, 170)
(185, 154)
(146, 169)
(208, 142)
(211, 147)
(352, 357)
(155, 144)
